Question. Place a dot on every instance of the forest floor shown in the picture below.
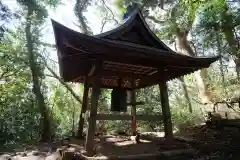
(209, 144)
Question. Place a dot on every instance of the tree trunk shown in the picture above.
(205, 93)
(186, 94)
(228, 30)
(83, 110)
(46, 132)
(237, 63)
(73, 118)
(185, 47)
(188, 101)
(81, 5)
(220, 60)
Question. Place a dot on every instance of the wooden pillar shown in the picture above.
(83, 110)
(166, 113)
(133, 112)
(89, 145)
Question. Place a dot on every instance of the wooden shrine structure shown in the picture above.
(130, 56)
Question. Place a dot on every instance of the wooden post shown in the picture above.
(166, 113)
(89, 145)
(83, 110)
(133, 112)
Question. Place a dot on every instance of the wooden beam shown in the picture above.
(83, 110)
(107, 87)
(108, 72)
(165, 110)
(128, 117)
(149, 79)
(168, 74)
(93, 110)
(133, 60)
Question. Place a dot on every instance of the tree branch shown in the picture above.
(65, 85)
(48, 45)
(49, 75)
(105, 5)
(62, 82)
(103, 25)
(155, 20)
(3, 74)
(193, 45)
(6, 75)
(199, 102)
(228, 103)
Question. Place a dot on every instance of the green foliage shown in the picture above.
(36, 7)
(20, 114)
(52, 3)
(120, 5)
(64, 110)
(19, 117)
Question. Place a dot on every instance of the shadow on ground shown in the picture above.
(211, 143)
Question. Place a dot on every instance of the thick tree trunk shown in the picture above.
(185, 90)
(204, 92)
(186, 94)
(220, 60)
(81, 5)
(237, 63)
(185, 47)
(46, 132)
(83, 110)
(229, 34)
(228, 30)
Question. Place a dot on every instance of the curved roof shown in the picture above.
(78, 53)
(135, 30)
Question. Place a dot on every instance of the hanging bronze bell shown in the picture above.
(119, 100)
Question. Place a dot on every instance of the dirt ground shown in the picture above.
(210, 143)
(122, 145)
(213, 143)
(106, 146)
